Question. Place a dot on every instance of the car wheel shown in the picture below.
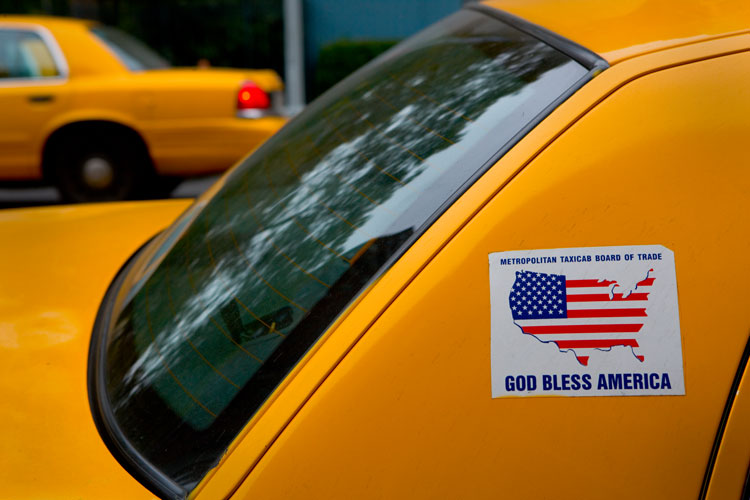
(162, 187)
(98, 168)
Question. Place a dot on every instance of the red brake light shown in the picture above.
(250, 96)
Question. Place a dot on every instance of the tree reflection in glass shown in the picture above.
(299, 228)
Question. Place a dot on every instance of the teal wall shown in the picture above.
(330, 20)
(327, 21)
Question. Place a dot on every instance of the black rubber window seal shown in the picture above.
(587, 58)
(113, 437)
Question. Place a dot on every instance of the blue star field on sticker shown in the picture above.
(538, 296)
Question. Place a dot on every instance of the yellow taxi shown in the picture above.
(100, 115)
(508, 258)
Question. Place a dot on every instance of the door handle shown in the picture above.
(39, 98)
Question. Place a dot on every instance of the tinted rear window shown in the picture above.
(133, 53)
(245, 283)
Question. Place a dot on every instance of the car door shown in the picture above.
(33, 74)
(727, 472)
(410, 412)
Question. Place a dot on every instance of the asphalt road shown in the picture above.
(25, 196)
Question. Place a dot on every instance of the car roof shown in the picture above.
(50, 22)
(621, 29)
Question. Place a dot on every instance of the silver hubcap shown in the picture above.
(98, 172)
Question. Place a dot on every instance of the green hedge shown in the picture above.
(338, 59)
(235, 33)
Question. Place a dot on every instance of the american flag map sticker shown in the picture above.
(595, 321)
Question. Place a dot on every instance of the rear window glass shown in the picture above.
(133, 53)
(247, 281)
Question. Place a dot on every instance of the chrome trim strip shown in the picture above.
(253, 114)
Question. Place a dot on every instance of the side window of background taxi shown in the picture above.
(24, 54)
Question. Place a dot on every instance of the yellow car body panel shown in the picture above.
(289, 437)
(734, 450)
(186, 116)
(628, 28)
(407, 412)
(52, 279)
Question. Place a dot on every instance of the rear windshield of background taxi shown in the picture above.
(134, 54)
(244, 284)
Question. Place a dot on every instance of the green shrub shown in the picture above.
(338, 59)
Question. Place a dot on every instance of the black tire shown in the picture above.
(100, 166)
(162, 187)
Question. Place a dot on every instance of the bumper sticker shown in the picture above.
(595, 321)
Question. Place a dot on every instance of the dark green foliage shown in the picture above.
(37, 7)
(338, 59)
(236, 33)
(227, 33)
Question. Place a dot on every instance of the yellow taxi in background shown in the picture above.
(97, 113)
(507, 259)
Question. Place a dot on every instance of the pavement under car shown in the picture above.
(19, 196)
